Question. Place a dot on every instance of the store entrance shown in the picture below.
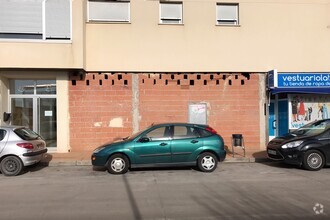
(278, 120)
(33, 104)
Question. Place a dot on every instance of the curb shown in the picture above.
(53, 163)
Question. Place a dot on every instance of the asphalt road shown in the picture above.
(233, 191)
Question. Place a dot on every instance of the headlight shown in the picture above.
(98, 150)
(292, 144)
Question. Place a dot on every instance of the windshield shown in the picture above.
(133, 136)
(26, 134)
(314, 128)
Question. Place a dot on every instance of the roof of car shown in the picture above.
(11, 127)
(177, 123)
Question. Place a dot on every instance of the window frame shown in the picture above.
(166, 135)
(191, 132)
(41, 36)
(227, 22)
(110, 20)
(163, 19)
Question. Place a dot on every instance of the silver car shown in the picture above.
(19, 147)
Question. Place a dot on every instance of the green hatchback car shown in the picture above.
(163, 145)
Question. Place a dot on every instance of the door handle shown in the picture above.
(163, 144)
(194, 141)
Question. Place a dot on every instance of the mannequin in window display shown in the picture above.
(325, 114)
(294, 106)
(301, 110)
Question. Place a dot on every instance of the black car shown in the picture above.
(308, 146)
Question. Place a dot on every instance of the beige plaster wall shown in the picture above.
(289, 35)
(48, 54)
(62, 98)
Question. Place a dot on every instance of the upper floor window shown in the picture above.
(170, 12)
(35, 19)
(112, 11)
(227, 14)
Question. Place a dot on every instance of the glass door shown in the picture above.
(22, 112)
(37, 113)
(46, 120)
(272, 121)
(33, 104)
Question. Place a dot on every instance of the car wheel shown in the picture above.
(11, 166)
(118, 164)
(207, 162)
(313, 160)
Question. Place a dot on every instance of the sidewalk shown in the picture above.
(84, 158)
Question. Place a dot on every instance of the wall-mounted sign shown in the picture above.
(317, 83)
(48, 113)
(296, 80)
(198, 113)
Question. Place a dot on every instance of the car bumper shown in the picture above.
(222, 156)
(31, 158)
(99, 160)
(289, 156)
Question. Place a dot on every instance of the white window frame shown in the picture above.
(171, 19)
(109, 5)
(44, 31)
(228, 19)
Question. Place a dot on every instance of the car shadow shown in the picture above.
(262, 158)
(38, 166)
(167, 169)
(147, 169)
(282, 165)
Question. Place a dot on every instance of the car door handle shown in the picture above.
(163, 144)
(194, 141)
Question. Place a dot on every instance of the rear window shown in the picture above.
(2, 134)
(204, 133)
(26, 134)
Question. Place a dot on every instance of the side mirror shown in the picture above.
(144, 139)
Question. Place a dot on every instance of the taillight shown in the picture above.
(211, 130)
(25, 145)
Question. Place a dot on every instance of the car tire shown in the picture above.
(11, 166)
(313, 160)
(118, 164)
(207, 162)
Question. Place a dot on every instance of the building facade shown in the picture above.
(82, 72)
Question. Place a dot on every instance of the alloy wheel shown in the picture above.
(314, 160)
(208, 162)
(118, 164)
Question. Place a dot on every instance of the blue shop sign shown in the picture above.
(298, 82)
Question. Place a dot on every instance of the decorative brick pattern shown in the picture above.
(101, 105)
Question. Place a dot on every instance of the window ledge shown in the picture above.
(228, 25)
(175, 24)
(7, 40)
(108, 22)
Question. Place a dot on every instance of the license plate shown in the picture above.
(272, 152)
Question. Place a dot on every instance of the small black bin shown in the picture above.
(237, 140)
